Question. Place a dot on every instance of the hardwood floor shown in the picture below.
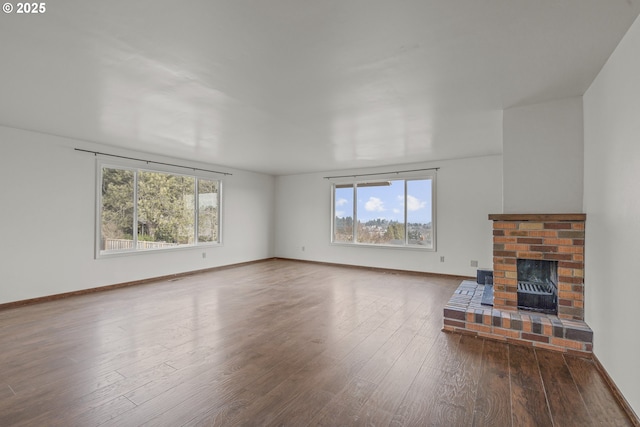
(280, 343)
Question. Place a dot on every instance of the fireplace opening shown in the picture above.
(538, 285)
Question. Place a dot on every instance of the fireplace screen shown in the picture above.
(538, 285)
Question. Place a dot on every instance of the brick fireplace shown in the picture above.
(538, 239)
(557, 238)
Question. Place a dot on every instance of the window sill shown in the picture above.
(115, 254)
(394, 247)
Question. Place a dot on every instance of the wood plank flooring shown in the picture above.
(281, 343)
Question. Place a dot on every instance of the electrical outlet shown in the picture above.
(441, 259)
(204, 255)
(474, 263)
(302, 249)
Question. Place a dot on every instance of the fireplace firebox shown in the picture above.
(537, 285)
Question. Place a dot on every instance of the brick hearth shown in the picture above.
(464, 313)
(551, 237)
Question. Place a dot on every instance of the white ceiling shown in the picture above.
(291, 86)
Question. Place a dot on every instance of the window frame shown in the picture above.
(136, 168)
(355, 182)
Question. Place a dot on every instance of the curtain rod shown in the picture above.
(380, 173)
(95, 153)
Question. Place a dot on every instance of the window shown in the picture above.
(396, 212)
(146, 209)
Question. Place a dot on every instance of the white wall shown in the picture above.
(47, 194)
(467, 191)
(543, 157)
(612, 204)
